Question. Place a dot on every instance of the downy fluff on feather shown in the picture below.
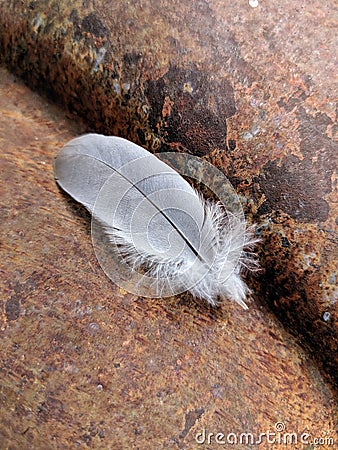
(156, 219)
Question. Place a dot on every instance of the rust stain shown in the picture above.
(295, 187)
(12, 308)
(198, 110)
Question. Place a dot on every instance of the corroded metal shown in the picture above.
(249, 89)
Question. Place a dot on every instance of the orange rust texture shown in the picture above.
(250, 89)
(85, 365)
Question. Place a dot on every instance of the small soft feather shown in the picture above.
(157, 219)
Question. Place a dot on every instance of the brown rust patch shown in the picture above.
(190, 419)
(94, 25)
(12, 308)
(190, 108)
(297, 273)
(296, 187)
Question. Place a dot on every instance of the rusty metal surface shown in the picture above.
(250, 89)
(86, 365)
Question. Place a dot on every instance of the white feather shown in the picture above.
(157, 219)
